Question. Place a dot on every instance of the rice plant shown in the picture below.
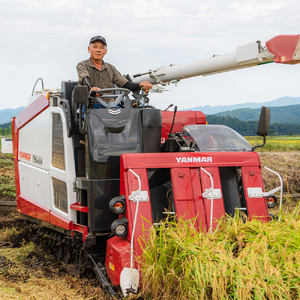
(251, 260)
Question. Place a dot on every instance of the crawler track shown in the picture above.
(74, 257)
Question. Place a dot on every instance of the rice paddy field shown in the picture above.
(280, 143)
(239, 260)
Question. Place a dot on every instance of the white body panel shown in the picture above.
(34, 139)
(35, 184)
(36, 169)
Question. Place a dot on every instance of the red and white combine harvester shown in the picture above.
(95, 178)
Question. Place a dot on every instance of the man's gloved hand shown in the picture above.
(146, 85)
(96, 89)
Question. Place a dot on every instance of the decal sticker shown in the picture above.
(25, 155)
(111, 266)
(37, 159)
(181, 160)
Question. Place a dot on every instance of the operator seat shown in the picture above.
(66, 91)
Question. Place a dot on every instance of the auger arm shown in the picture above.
(280, 49)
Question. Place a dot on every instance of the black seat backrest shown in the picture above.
(66, 92)
(67, 89)
(79, 149)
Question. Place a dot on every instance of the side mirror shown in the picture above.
(80, 94)
(264, 121)
(263, 125)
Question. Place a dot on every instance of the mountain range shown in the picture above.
(8, 113)
(211, 110)
(283, 110)
(279, 114)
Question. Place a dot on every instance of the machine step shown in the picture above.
(79, 207)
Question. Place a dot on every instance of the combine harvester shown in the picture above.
(93, 183)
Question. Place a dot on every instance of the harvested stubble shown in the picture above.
(7, 177)
(251, 260)
(287, 165)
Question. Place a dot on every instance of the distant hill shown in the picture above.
(8, 113)
(283, 110)
(211, 110)
(246, 128)
(249, 128)
(285, 114)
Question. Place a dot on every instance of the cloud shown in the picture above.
(48, 38)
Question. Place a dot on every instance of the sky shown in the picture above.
(46, 39)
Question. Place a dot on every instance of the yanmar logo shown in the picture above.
(114, 112)
(181, 160)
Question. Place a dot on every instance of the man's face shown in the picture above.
(97, 50)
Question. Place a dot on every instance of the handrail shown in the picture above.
(138, 191)
(205, 195)
(35, 85)
(277, 189)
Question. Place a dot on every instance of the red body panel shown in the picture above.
(59, 221)
(218, 204)
(15, 138)
(189, 159)
(199, 204)
(32, 209)
(256, 208)
(283, 47)
(182, 118)
(117, 258)
(144, 216)
(37, 211)
(183, 193)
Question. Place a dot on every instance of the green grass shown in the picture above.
(7, 181)
(6, 160)
(251, 260)
(18, 255)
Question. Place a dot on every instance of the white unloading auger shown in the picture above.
(280, 49)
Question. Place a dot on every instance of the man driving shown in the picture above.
(97, 74)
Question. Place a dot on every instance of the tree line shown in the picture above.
(250, 127)
(5, 129)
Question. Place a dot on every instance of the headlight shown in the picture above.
(271, 201)
(117, 205)
(119, 227)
